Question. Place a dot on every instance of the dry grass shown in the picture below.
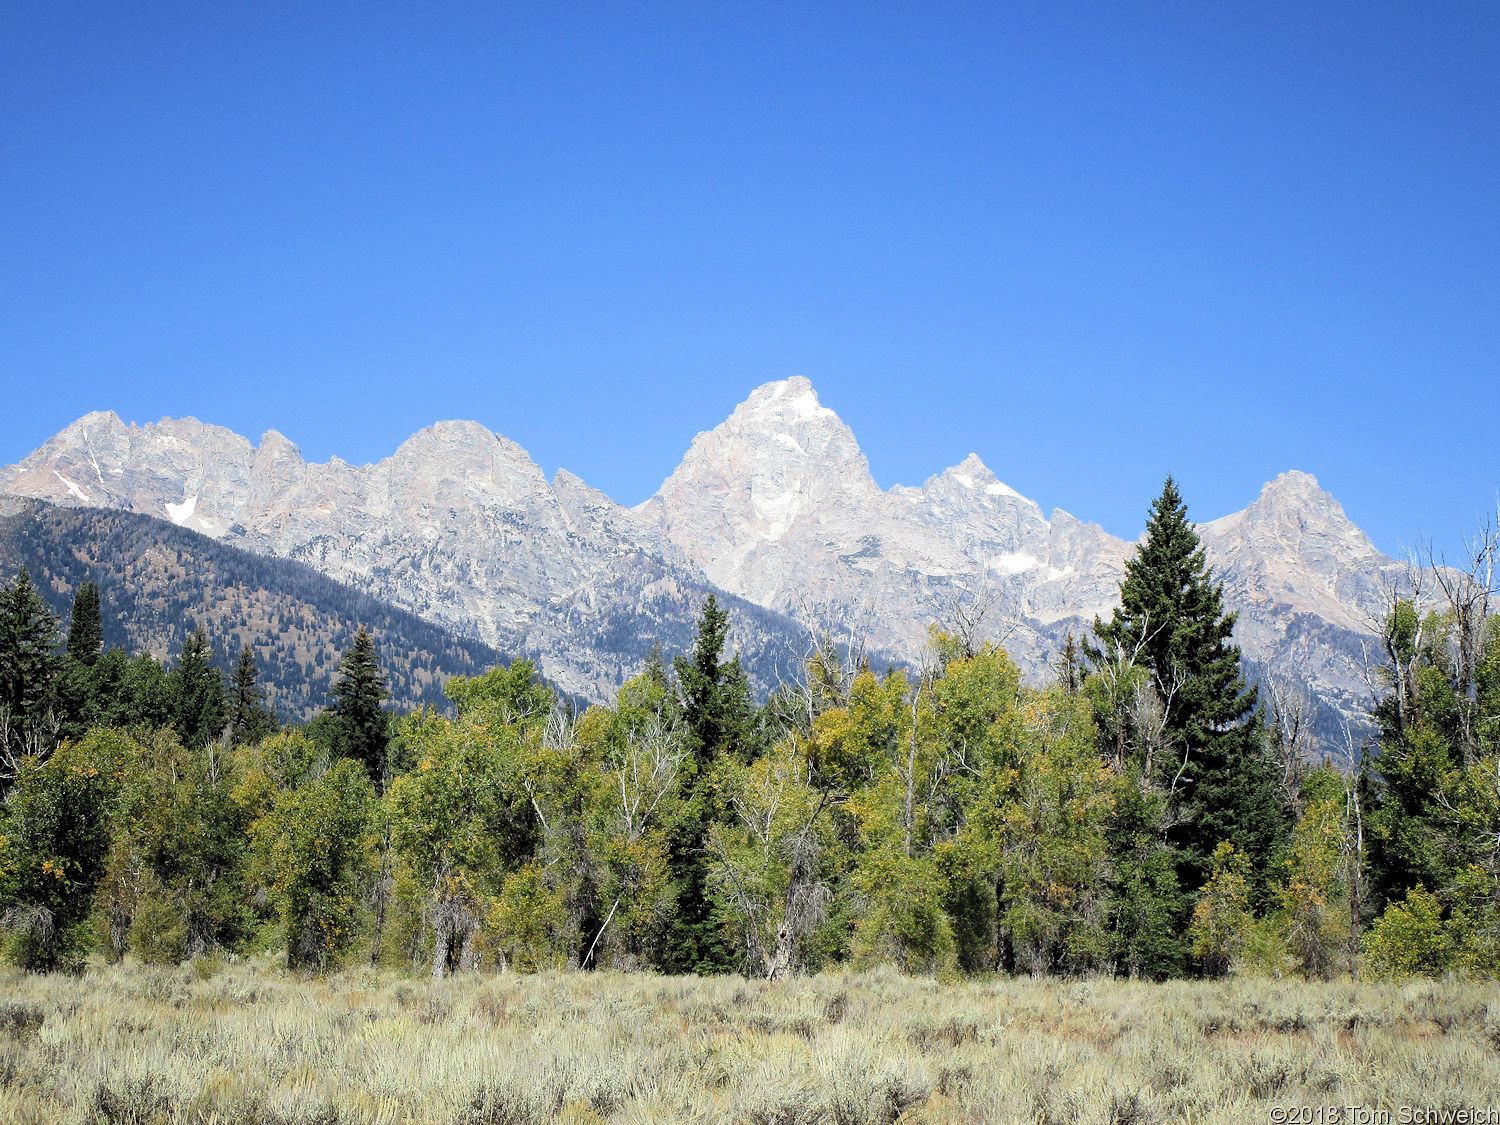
(251, 1043)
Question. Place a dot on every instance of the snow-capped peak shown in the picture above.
(787, 401)
(973, 474)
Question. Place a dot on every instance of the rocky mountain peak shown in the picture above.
(976, 478)
(273, 443)
(784, 432)
(455, 449)
(1294, 516)
(769, 476)
(94, 420)
(787, 401)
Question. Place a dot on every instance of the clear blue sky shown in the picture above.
(1090, 242)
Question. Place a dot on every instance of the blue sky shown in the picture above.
(1090, 242)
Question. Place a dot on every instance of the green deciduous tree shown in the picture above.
(1222, 919)
(1315, 895)
(1409, 939)
(769, 871)
(54, 840)
(631, 764)
(461, 820)
(312, 853)
(1052, 843)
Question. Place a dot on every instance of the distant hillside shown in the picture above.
(158, 582)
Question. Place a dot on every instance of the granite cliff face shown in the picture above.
(1310, 587)
(776, 506)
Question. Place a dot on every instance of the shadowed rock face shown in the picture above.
(776, 505)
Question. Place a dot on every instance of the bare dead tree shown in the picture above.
(23, 737)
(979, 614)
(1396, 669)
(454, 917)
(1353, 838)
(1118, 668)
(1468, 592)
(560, 733)
(909, 773)
(35, 928)
(646, 770)
(835, 653)
(805, 905)
(1149, 711)
(1290, 711)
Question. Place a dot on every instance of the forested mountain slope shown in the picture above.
(158, 582)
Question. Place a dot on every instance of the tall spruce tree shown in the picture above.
(1171, 619)
(78, 688)
(250, 720)
(364, 731)
(715, 709)
(86, 627)
(28, 651)
(196, 689)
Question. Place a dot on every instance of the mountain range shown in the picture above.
(774, 510)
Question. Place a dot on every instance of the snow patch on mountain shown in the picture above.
(73, 489)
(181, 513)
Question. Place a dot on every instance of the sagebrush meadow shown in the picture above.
(248, 1043)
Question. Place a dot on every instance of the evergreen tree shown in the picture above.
(196, 691)
(363, 727)
(1419, 748)
(76, 689)
(1171, 620)
(249, 718)
(1069, 666)
(86, 628)
(716, 710)
(28, 657)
